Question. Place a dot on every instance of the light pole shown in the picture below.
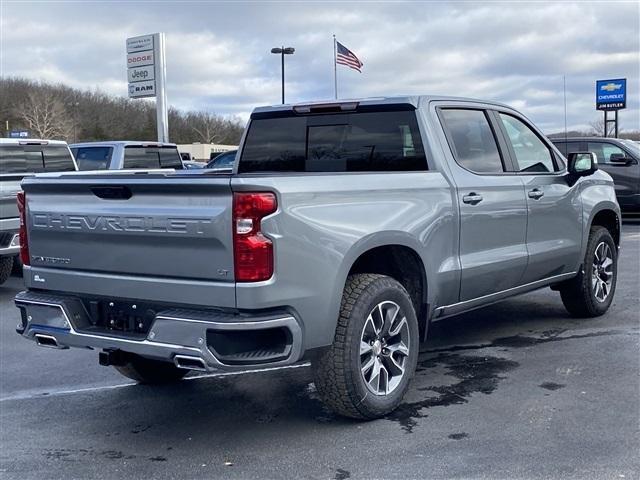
(283, 51)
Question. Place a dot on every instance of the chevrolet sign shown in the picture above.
(611, 94)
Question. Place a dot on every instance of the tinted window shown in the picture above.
(20, 159)
(57, 158)
(93, 158)
(472, 141)
(152, 157)
(353, 142)
(170, 158)
(12, 160)
(141, 157)
(569, 147)
(604, 150)
(532, 154)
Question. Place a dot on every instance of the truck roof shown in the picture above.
(23, 141)
(587, 139)
(125, 143)
(415, 100)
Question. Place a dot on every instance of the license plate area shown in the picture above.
(118, 317)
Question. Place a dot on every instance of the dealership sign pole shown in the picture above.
(147, 72)
(611, 95)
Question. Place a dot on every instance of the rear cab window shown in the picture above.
(93, 158)
(21, 159)
(357, 141)
(57, 158)
(137, 157)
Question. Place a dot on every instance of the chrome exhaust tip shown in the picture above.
(190, 363)
(47, 341)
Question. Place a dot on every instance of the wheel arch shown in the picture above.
(395, 255)
(607, 216)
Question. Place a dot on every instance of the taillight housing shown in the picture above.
(252, 251)
(24, 245)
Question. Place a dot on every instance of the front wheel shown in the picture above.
(148, 371)
(366, 372)
(590, 293)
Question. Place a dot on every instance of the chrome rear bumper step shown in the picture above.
(176, 335)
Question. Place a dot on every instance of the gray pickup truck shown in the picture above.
(343, 230)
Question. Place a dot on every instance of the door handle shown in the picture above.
(536, 193)
(472, 199)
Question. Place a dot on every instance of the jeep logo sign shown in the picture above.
(139, 74)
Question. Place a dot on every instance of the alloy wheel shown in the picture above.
(602, 272)
(384, 348)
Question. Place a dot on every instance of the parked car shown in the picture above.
(620, 158)
(192, 164)
(342, 232)
(20, 158)
(119, 155)
(224, 161)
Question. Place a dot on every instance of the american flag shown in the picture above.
(344, 56)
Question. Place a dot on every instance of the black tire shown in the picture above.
(17, 266)
(6, 265)
(337, 371)
(148, 371)
(578, 295)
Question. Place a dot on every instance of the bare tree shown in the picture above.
(45, 115)
(597, 128)
(208, 126)
(54, 110)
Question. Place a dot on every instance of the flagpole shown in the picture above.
(335, 68)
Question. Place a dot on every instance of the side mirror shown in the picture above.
(582, 164)
(620, 158)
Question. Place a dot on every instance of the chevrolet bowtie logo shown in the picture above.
(611, 87)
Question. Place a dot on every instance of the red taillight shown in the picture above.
(24, 246)
(252, 251)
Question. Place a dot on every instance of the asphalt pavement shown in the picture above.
(515, 390)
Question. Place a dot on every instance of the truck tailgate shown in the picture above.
(174, 227)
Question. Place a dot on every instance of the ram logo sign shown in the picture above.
(611, 94)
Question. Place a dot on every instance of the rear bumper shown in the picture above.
(9, 238)
(182, 336)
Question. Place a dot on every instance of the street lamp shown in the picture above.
(283, 51)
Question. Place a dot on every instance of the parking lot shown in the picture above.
(515, 390)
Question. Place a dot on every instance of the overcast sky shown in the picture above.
(218, 52)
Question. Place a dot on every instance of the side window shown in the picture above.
(574, 147)
(57, 158)
(562, 146)
(532, 155)
(604, 151)
(170, 158)
(140, 157)
(472, 141)
(93, 158)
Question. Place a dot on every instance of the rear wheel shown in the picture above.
(366, 372)
(145, 370)
(6, 265)
(590, 293)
